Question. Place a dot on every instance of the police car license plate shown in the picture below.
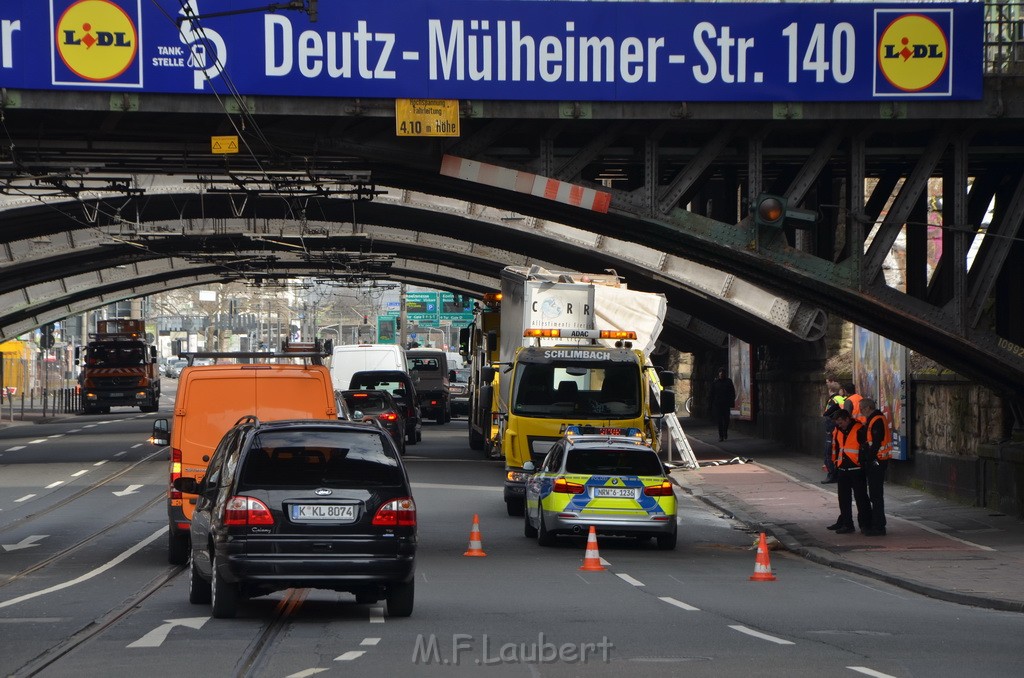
(331, 512)
(617, 492)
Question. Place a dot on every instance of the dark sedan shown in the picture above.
(379, 406)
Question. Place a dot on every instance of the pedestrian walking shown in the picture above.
(722, 399)
(833, 404)
(851, 485)
(852, 401)
(875, 457)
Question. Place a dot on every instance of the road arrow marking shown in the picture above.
(131, 489)
(157, 636)
(26, 543)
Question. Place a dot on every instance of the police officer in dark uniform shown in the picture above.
(832, 405)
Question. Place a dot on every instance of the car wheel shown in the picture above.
(177, 547)
(529, 531)
(544, 537)
(514, 508)
(419, 435)
(400, 599)
(439, 419)
(666, 542)
(224, 596)
(199, 591)
(410, 437)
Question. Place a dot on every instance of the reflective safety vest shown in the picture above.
(855, 399)
(847, 445)
(885, 450)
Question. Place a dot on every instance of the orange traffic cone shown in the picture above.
(474, 548)
(592, 559)
(762, 564)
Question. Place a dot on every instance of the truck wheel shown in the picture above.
(476, 439)
(178, 547)
(439, 418)
(149, 408)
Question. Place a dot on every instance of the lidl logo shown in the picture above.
(913, 53)
(97, 41)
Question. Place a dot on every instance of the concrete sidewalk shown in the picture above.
(933, 546)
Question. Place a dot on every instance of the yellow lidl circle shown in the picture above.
(96, 39)
(913, 52)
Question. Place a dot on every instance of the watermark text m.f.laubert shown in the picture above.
(484, 650)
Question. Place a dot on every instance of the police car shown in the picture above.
(609, 478)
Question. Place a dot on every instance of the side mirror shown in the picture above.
(357, 415)
(161, 433)
(187, 485)
(668, 379)
(492, 342)
(529, 467)
(487, 374)
(668, 402)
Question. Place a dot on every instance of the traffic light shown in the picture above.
(366, 320)
(774, 211)
(46, 338)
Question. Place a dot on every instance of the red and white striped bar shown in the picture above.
(524, 182)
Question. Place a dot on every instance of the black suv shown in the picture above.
(303, 504)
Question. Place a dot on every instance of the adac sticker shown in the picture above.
(96, 43)
(913, 54)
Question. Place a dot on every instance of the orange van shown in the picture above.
(211, 398)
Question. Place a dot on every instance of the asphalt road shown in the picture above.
(85, 589)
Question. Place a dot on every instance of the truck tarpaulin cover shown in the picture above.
(618, 308)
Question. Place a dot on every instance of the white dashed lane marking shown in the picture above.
(758, 634)
(869, 672)
(53, 485)
(377, 614)
(370, 641)
(15, 448)
(350, 655)
(25, 498)
(630, 580)
(79, 473)
(680, 604)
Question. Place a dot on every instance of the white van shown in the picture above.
(348, 359)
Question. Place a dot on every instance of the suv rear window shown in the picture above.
(369, 403)
(623, 462)
(319, 459)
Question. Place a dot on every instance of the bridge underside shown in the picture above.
(916, 234)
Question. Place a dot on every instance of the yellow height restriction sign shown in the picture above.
(427, 117)
(222, 145)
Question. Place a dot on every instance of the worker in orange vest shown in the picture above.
(852, 401)
(850, 437)
(875, 457)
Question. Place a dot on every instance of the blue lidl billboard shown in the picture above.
(500, 50)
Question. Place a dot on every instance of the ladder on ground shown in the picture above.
(679, 444)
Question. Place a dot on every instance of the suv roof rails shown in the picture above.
(248, 419)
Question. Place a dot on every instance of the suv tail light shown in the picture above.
(401, 512)
(563, 485)
(663, 490)
(247, 511)
(175, 472)
(387, 416)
